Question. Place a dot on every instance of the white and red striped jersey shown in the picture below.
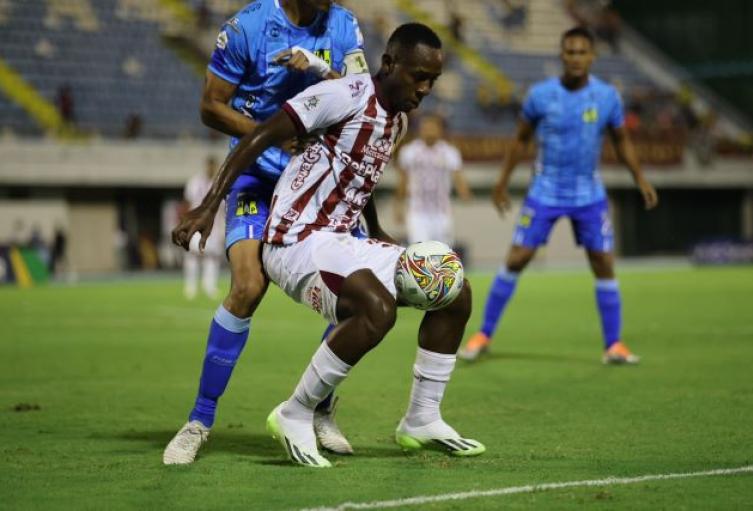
(327, 186)
(429, 169)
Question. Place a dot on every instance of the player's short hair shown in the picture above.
(410, 35)
(578, 32)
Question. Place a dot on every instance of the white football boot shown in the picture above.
(328, 433)
(297, 439)
(185, 444)
(438, 434)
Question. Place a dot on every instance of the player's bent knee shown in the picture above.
(380, 317)
(462, 305)
(245, 294)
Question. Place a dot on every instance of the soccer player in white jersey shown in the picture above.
(309, 253)
(206, 261)
(428, 168)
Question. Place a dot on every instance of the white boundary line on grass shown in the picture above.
(426, 499)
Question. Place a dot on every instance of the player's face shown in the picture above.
(430, 129)
(577, 56)
(410, 76)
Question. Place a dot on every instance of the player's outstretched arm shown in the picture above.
(216, 111)
(273, 131)
(627, 155)
(516, 153)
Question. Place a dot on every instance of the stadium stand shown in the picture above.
(110, 54)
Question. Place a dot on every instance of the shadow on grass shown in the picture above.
(247, 444)
(497, 357)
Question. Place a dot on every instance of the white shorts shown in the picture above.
(312, 271)
(431, 227)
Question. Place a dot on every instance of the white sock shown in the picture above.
(324, 373)
(210, 274)
(431, 372)
(190, 274)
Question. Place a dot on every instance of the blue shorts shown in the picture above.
(591, 225)
(247, 213)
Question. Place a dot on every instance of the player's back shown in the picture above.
(246, 53)
(570, 126)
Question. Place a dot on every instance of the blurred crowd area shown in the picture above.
(132, 69)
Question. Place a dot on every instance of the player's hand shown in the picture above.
(501, 198)
(383, 237)
(650, 197)
(302, 60)
(198, 220)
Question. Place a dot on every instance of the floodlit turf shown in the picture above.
(113, 368)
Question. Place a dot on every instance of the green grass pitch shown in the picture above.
(113, 369)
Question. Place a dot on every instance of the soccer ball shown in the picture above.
(429, 275)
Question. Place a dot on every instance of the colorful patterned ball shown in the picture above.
(429, 275)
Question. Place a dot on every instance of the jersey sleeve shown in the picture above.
(454, 159)
(321, 106)
(231, 57)
(405, 157)
(616, 114)
(531, 111)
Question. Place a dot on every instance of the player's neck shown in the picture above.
(573, 82)
(299, 13)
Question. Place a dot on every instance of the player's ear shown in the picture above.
(388, 63)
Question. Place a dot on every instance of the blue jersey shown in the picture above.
(570, 130)
(244, 56)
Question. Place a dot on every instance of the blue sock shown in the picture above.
(227, 337)
(502, 289)
(610, 310)
(324, 405)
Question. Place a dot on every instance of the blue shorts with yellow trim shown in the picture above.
(591, 224)
(247, 212)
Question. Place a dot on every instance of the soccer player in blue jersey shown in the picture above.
(568, 115)
(266, 54)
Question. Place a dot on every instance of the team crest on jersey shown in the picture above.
(591, 115)
(222, 40)
(311, 103)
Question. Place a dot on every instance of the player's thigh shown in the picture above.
(592, 227)
(314, 270)
(248, 283)
(534, 224)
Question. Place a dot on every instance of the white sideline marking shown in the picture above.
(426, 499)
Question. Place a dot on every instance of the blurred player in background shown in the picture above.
(309, 252)
(209, 258)
(428, 167)
(267, 53)
(569, 115)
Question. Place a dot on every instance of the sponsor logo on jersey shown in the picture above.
(222, 40)
(310, 157)
(245, 206)
(311, 103)
(314, 297)
(324, 54)
(357, 87)
(379, 150)
(235, 25)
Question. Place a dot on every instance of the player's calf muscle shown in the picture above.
(442, 331)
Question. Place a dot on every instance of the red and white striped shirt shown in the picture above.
(327, 186)
(429, 169)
